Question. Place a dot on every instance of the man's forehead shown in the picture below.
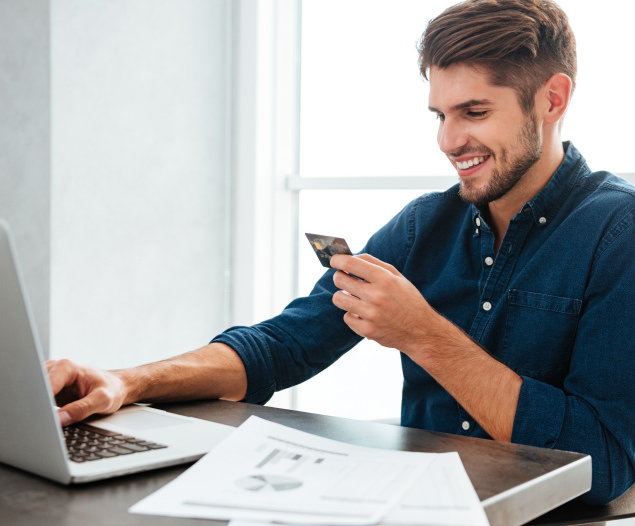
(461, 86)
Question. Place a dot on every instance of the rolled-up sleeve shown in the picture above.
(307, 337)
(593, 411)
(310, 334)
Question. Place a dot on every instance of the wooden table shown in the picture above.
(515, 483)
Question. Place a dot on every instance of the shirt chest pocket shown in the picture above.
(539, 334)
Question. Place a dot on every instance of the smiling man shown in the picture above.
(510, 296)
(525, 147)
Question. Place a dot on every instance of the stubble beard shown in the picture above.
(503, 179)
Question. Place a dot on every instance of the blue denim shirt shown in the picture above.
(556, 304)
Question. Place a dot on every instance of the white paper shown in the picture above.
(268, 472)
(443, 496)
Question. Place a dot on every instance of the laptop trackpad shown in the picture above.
(142, 420)
(148, 423)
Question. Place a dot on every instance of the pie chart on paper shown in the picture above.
(268, 483)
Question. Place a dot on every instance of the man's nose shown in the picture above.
(451, 136)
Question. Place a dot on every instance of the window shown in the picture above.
(368, 146)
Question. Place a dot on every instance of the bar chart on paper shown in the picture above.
(252, 474)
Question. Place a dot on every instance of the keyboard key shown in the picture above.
(135, 447)
(85, 442)
(106, 454)
(120, 450)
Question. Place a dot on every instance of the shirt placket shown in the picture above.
(496, 271)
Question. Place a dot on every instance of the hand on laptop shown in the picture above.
(81, 391)
(213, 371)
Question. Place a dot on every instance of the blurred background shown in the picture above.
(160, 161)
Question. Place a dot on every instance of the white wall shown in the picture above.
(141, 108)
(25, 143)
(122, 125)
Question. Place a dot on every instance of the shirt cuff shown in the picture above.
(539, 415)
(260, 380)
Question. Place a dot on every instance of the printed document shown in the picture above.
(267, 472)
(443, 496)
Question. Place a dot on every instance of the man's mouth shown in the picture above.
(464, 165)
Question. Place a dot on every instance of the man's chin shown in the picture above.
(472, 196)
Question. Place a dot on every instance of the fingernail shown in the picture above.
(65, 418)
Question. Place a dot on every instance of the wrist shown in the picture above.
(438, 344)
(128, 386)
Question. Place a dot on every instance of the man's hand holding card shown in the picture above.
(383, 305)
(380, 303)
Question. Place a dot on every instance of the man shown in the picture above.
(510, 296)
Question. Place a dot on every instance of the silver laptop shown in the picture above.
(136, 438)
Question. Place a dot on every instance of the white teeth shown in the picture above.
(468, 164)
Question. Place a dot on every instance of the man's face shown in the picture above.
(483, 131)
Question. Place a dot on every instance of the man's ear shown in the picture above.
(556, 95)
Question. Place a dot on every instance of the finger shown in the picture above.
(363, 266)
(61, 374)
(355, 323)
(74, 412)
(353, 265)
(348, 283)
(341, 261)
(95, 402)
(379, 263)
(345, 301)
(50, 365)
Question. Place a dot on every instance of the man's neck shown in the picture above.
(502, 210)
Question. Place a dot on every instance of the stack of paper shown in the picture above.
(266, 472)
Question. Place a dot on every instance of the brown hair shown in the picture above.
(522, 43)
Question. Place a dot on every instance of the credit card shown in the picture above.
(327, 246)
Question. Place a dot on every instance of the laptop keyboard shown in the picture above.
(85, 442)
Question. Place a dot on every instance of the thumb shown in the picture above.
(79, 409)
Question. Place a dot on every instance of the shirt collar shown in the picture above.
(546, 203)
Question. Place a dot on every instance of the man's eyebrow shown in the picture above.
(463, 105)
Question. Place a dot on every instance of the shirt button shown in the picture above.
(478, 221)
(542, 220)
(489, 261)
(465, 425)
(487, 306)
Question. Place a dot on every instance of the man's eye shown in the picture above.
(441, 117)
(477, 114)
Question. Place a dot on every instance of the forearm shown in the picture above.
(213, 371)
(487, 389)
(291, 347)
(385, 307)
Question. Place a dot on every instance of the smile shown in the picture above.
(469, 164)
